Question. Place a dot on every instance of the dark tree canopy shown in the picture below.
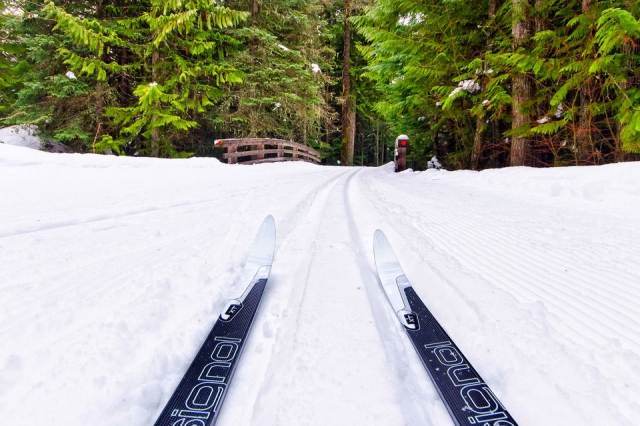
(476, 84)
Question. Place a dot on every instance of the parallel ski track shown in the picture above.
(280, 305)
(419, 400)
(293, 292)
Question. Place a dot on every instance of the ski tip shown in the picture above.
(379, 238)
(268, 228)
(270, 221)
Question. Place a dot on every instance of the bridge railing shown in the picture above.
(265, 150)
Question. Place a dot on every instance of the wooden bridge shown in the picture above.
(265, 150)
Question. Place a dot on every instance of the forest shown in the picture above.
(477, 84)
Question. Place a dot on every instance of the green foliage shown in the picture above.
(446, 70)
(418, 62)
(144, 71)
(281, 95)
(107, 143)
(617, 37)
(166, 78)
(12, 63)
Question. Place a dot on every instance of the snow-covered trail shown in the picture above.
(112, 271)
(328, 329)
(519, 281)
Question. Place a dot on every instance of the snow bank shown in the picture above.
(13, 155)
(20, 136)
(596, 185)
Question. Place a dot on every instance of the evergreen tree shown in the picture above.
(419, 53)
(549, 82)
(283, 62)
(12, 63)
(61, 107)
(483, 84)
(150, 66)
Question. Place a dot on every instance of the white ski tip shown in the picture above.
(269, 219)
(389, 269)
(379, 239)
(264, 243)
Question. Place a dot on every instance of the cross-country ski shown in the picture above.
(467, 397)
(199, 396)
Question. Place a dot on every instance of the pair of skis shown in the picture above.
(199, 395)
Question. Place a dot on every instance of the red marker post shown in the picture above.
(402, 143)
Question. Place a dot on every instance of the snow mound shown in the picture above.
(612, 183)
(24, 136)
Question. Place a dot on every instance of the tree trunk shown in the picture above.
(377, 141)
(155, 133)
(348, 109)
(539, 23)
(476, 151)
(254, 16)
(584, 146)
(522, 89)
(352, 129)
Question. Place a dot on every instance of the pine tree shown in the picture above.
(12, 63)
(149, 66)
(546, 82)
(282, 92)
(62, 108)
(419, 54)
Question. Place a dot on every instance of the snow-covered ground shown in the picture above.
(113, 270)
(20, 136)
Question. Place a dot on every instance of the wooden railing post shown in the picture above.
(260, 147)
(231, 149)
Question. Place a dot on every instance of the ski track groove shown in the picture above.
(300, 239)
(292, 242)
(291, 337)
(412, 388)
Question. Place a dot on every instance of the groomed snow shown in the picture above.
(113, 270)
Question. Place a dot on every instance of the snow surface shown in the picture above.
(113, 270)
(20, 136)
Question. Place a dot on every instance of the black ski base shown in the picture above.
(466, 396)
(198, 398)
